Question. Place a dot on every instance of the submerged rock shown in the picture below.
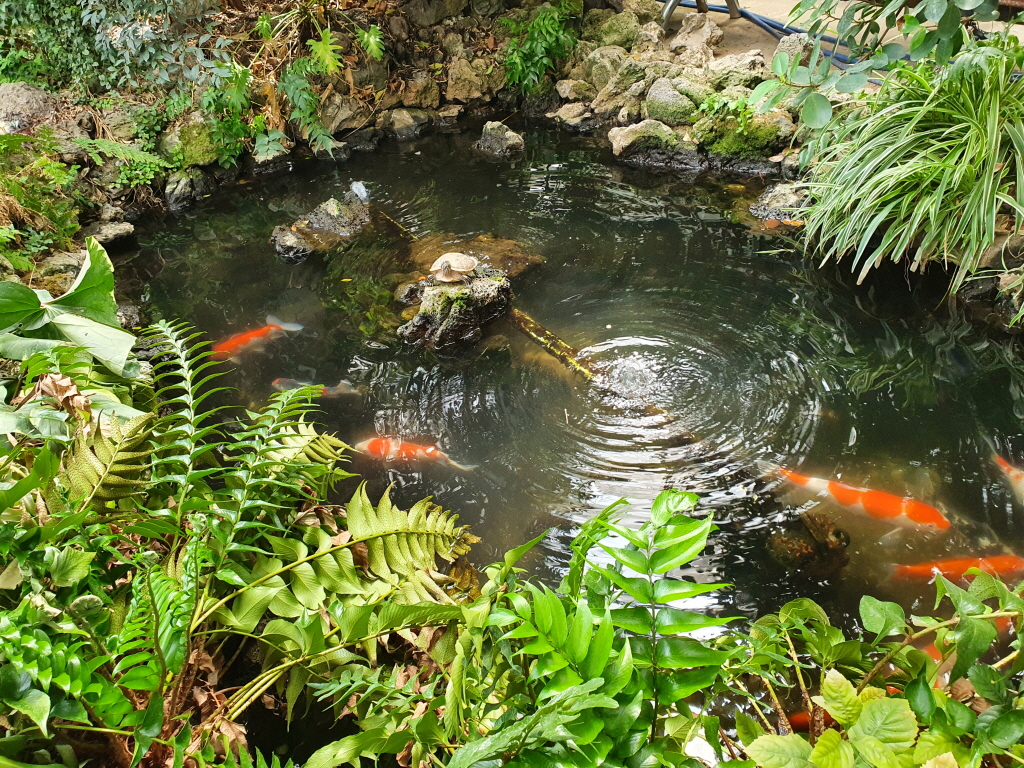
(499, 253)
(576, 116)
(498, 140)
(326, 226)
(812, 544)
(782, 202)
(452, 315)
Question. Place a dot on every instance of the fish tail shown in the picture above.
(462, 467)
(271, 320)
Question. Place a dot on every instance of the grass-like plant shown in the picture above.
(923, 169)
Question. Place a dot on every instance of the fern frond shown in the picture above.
(100, 468)
(99, 148)
(403, 547)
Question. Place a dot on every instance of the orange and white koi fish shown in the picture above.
(342, 389)
(1014, 477)
(888, 507)
(954, 568)
(390, 449)
(231, 348)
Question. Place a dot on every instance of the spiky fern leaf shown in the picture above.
(403, 547)
(126, 153)
(313, 454)
(103, 468)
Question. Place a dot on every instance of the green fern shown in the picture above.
(372, 41)
(99, 469)
(100, 148)
(326, 53)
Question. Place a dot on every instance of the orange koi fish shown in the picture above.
(954, 568)
(1014, 477)
(801, 721)
(390, 449)
(231, 348)
(877, 504)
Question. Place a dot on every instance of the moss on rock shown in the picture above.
(621, 29)
(723, 136)
(667, 105)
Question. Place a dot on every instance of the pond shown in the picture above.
(725, 355)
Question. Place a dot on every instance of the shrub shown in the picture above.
(536, 44)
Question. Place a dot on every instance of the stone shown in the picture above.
(735, 93)
(130, 316)
(339, 152)
(621, 30)
(761, 137)
(185, 187)
(593, 20)
(798, 46)
(407, 124)
(667, 105)
(575, 90)
(409, 293)
(64, 133)
(8, 274)
(811, 545)
(453, 315)
(696, 91)
(326, 226)
(62, 263)
(344, 113)
(421, 90)
(263, 166)
(364, 140)
(120, 124)
(498, 140)
(649, 134)
(371, 73)
(651, 37)
(576, 116)
(476, 80)
(427, 13)
(629, 113)
(493, 252)
(484, 8)
(646, 11)
(696, 40)
(782, 202)
(23, 106)
(602, 64)
(448, 117)
(191, 140)
(399, 28)
(107, 232)
(110, 212)
(747, 69)
(615, 94)
(452, 43)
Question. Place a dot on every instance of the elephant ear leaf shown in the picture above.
(92, 293)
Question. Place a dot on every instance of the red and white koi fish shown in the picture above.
(954, 568)
(1014, 477)
(343, 388)
(888, 507)
(231, 348)
(390, 449)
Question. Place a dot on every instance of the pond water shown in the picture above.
(725, 354)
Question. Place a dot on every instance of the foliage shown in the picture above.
(536, 44)
(372, 41)
(296, 87)
(138, 168)
(922, 171)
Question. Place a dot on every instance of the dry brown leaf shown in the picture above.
(62, 389)
(404, 757)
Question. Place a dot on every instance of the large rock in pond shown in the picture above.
(667, 105)
(452, 315)
(649, 134)
(326, 226)
(782, 202)
(494, 252)
(498, 140)
(22, 106)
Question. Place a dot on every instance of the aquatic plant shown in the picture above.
(922, 171)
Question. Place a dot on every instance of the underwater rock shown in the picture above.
(23, 105)
(667, 105)
(812, 544)
(448, 117)
(747, 69)
(696, 40)
(326, 226)
(185, 187)
(494, 252)
(452, 315)
(649, 134)
(191, 140)
(498, 140)
(107, 232)
(782, 202)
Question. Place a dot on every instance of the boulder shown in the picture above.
(64, 132)
(371, 73)
(650, 37)
(782, 202)
(493, 252)
(427, 13)
(629, 84)
(798, 46)
(339, 152)
(747, 69)
(185, 187)
(452, 315)
(693, 87)
(646, 11)
(696, 40)
(485, 8)
(61, 263)
(498, 140)
(476, 80)
(448, 117)
(621, 30)
(667, 105)
(399, 28)
(593, 20)
(325, 227)
(8, 274)
(649, 134)
(762, 136)
(344, 113)
(601, 65)
(23, 106)
(191, 140)
(120, 123)
(575, 90)
(407, 124)
(108, 232)
(422, 91)
(576, 116)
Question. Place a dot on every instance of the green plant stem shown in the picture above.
(784, 724)
(753, 702)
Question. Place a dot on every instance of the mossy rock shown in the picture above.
(593, 21)
(722, 135)
(621, 29)
(191, 141)
(667, 105)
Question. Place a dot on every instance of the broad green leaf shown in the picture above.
(675, 686)
(874, 751)
(960, 716)
(840, 698)
(600, 649)
(816, 111)
(671, 502)
(306, 587)
(107, 344)
(18, 348)
(513, 556)
(988, 682)
(945, 760)
(673, 621)
(637, 588)
(830, 751)
(682, 552)
(933, 10)
(931, 744)
(781, 752)
(686, 653)
(780, 63)
(67, 566)
(973, 637)
(852, 83)
(891, 721)
(348, 750)
(618, 673)
(919, 694)
(636, 620)
(92, 293)
(14, 682)
(1007, 730)
(581, 628)
(747, 728)
(804, 609)
(630, 558)
(35, 704)
(670, 590)
(17, 304)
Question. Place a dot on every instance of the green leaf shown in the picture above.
(789, 751)
(934, 9)
(816, 112)
(852, 83)
(637, 588)
(919, 694)
(670, 590)
(1007, 730)
(780, 63)
(988, 683)
(973, 637)
(687, 547)
(92, 293)
(932, 743)
(891, 721)
(747, 728)
(840, 698)
(686, 653)
(619, 672)
(67, 566)
(14, 682)
(35, 704)
(630, 558)
(17, 304)
(960, 716)
(348, 750)
(673, 621)
(830, 751)
(874, 751)
(107, 344)
(17, 348)
(600, 649)
(577, 642)
(670, 503)
(636, 620)
(675, 686)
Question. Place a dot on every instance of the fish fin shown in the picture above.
(271, 320)
(462, 467)
(766, 469)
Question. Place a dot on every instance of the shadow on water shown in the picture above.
(762, 358)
